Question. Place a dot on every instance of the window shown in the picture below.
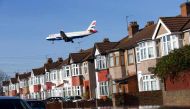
(66, 72)
(117, 59)
(101, 62)
(114, 59)
(75, 70)
(104, 89)
(111, 60)
(47, 76)
(150, 82)
(137, 54)
(85, 67)
(77, 90)
(130, 57)
(145, 50)
(170, 43)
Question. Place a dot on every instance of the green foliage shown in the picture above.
(174, 63)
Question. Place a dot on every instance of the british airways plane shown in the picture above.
(68, 37)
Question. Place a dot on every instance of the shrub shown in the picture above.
(171, 65)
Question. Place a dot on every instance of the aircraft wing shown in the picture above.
(63, 35)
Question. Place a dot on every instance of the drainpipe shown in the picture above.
(136, 67)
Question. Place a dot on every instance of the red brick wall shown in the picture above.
(77, 81)
(48, 85)
(102, 75)
(21, 90)
(37, 88)
(14, 92)
(180, 83)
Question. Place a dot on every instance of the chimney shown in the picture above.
(81, 50)
(133, 28)
(49, 60)
(185, 9)
(106, 40)
(60, 59)
(149, 23)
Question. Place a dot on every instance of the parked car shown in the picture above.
(36, 104)
(73, 98)
(13, 103)
(51, 99)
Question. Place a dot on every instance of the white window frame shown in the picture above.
(101, 62)
(164, 40)
(75, 70)
(143, 50)
(85, 68)
(104, 88)
(148, 81)
(77, 90)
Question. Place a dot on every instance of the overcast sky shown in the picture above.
(24, 25)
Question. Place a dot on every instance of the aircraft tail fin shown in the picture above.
(92, 26)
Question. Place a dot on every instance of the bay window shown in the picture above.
(85, 67)
(75, 70)
(66, 72)
(150, 83)
(130, 57)
(101, 62)
(145, 50)
(170, 43)
(114, 59)
(111, 60)
(104, 88)
(77, 90)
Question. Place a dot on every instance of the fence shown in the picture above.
(78, 104)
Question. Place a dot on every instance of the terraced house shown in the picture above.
(103, 78)
(109, 67)
(173, 33)
(23, 85)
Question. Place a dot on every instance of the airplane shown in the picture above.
(68, 37)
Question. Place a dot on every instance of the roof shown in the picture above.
(176, 24)
(39, 71)
(82, 56)
(143, 34)
(6, 83)
(53, 65)
(105, 46)
(24, 75)
(14, 80)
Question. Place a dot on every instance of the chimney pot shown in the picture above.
(133, 28)
(49, 60)
(106, 40)
(149, 23)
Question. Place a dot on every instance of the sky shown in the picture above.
(24, 25)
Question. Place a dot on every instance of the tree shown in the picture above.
(176, 62)
(3, 77)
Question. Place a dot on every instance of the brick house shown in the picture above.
(173, 33)
(38, 83)
(82, 71)
(13, 87)
(23, 80)
(5, 85)
(52, 76)
(103, 78)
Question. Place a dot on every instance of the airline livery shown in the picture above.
(68, 37)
